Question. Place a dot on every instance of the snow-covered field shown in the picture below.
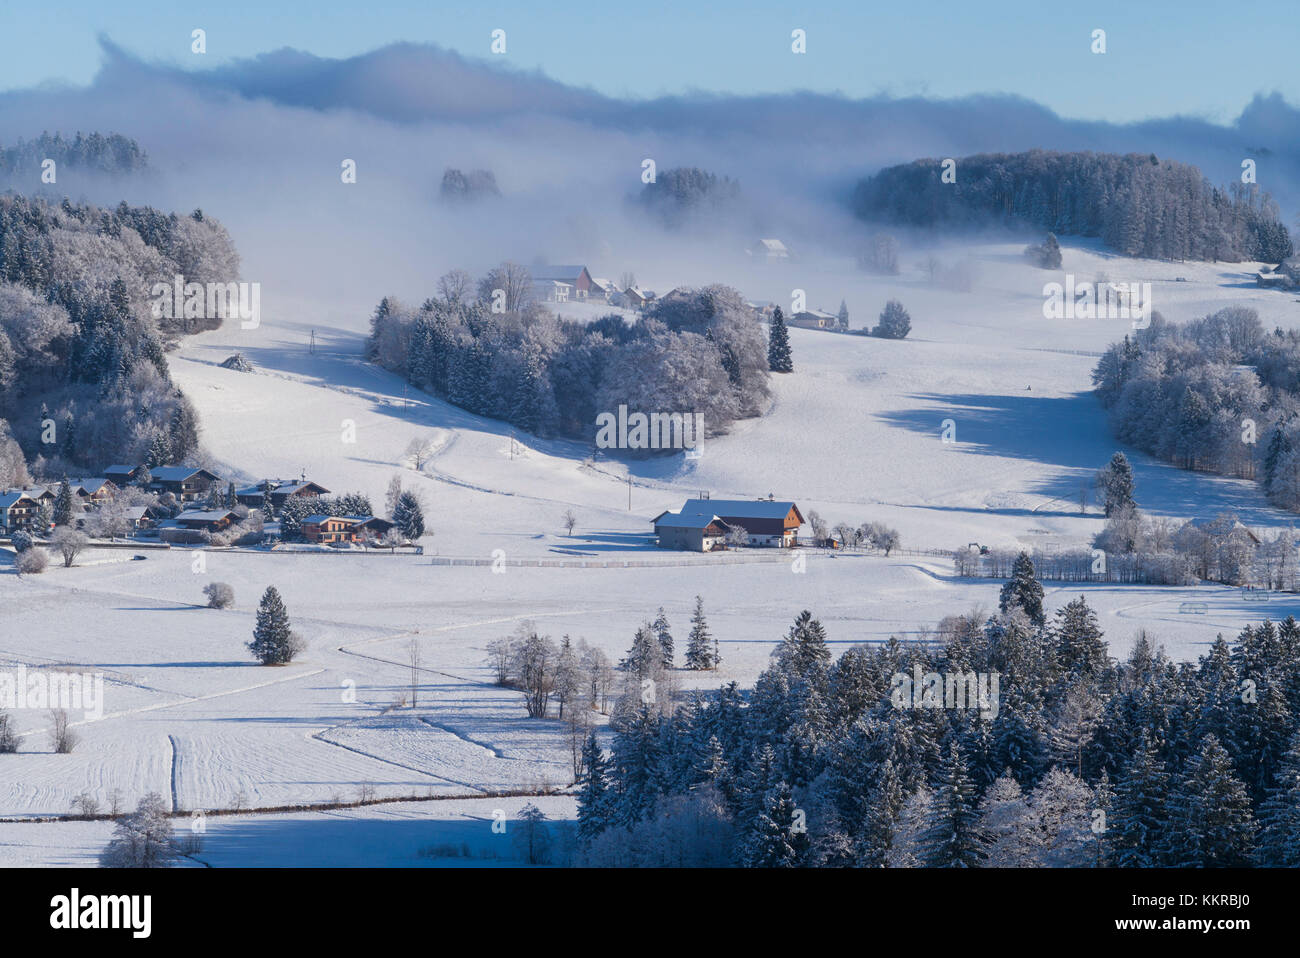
(854, 433)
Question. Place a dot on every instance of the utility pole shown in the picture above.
(629, 492)
(312, 347)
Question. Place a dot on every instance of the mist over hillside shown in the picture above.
(261, 143)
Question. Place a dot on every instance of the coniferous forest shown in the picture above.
(1084, 762)
(79, 344)
(1137, 204)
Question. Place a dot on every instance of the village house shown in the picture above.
(186, 483)
(333, 529)
(18, 510)
(140, 517)
(634, 297)
(281, 491)
(122, 475)
(814, 319)
(93, 492)
(575, 277)
(695, 532)
(702, 524)
(603, 289)
(769, 251)
(330, 529)
(206, 520)
(551, 291)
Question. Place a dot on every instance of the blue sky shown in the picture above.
(1192, 57)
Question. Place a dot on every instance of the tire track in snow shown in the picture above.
(318, 736)
(496, 753)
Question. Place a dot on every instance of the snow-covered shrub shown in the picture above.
(32, 561)
(220, 595)
(238, 363)
(143, 839)
(894, 323)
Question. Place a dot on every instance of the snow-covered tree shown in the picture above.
(1023, 591)
(699, 644)
(143, 839)
(273, 641)
(1279, 815)
(409, 515)
(894, 323)
(952, 838)
(1116, 484)
(665, 637)
(1210, 819)
(778, 345)
(776, 837)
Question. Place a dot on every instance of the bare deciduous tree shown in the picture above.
(62, 739)
(456, 286)
(419, 450)
(69, 542)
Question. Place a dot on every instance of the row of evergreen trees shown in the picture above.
(1137, 204)
(96, 152)
(1084, 761)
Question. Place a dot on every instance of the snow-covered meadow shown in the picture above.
(853, 433)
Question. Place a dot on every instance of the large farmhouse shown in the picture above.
(701, 525)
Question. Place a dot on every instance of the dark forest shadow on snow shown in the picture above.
(1072, 434)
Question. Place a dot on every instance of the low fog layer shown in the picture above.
(260, 143)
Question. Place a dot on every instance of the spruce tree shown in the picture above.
(69, 438)
(273, 643)
(409, 516)
(644, 654)
(160, 453)
(779, 359)
(778, 836)
(63, 505)
(593, 796)
(1023, 591)
(635, 765)
(1279, 814)
(1116, 484)
(804, 651)
(1080, 647)
(1210, 820)
(665, 637)
(951, 838)
(699, 651)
